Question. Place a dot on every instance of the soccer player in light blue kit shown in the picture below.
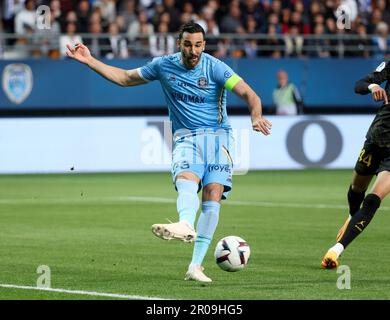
(194, 84)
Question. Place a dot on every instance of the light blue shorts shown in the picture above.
(207, 154)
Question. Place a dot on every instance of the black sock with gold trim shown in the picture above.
(355, 200)
(361, 219)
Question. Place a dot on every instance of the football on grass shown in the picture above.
(232, 253)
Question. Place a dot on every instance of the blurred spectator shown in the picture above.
(383, 6)
(303, 17)
(141, 39)
(25, 19)
(94, 41)
(161, 43)
(83, 14)
(55, 10)
(47, 40)
(70, 38)
(376, 17)
(293, 42)
(251, 45)
(273, 43)
(185, 18)
(365, 9)
(273, 20)
(206, 14)
(120, 22)
(285, 22)
(276, 7)
(381, 40)
(158, 10)
(318, 45)
(331, 28)
(9, 9)
(298, 21)
(231, 23)
(128, 14)
(330, 8)
(214, 46)
(286, 97)
(251, 48)
(115, 46)
(188, 8)
(253, 8)
(135, 27)
(164, 17)
(107, 9)
(174, 13)
(316, 9)
(362, 44)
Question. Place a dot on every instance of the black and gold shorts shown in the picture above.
(372, 159)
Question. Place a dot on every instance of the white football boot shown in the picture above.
(179, 230)
(196, 273)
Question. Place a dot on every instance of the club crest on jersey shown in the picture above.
(172, 77)
(17, 82)
(202, 82)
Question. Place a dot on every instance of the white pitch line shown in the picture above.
(86, 199)
(88, 293)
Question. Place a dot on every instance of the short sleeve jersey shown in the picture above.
(196, 98)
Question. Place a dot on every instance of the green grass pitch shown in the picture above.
(93, 231)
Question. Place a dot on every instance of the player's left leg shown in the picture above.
(360, 220)
(217, 182)
(206, 226)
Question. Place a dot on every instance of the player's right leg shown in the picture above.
(360, 220)
(187, 184)
(187, 170)
(355, 196)
(366, 167)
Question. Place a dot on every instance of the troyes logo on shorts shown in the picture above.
(220, 168)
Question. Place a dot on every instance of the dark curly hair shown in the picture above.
(190, 27)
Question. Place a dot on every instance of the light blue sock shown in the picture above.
(205, 228)
(187, 200)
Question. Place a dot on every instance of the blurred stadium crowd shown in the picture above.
(246, 28)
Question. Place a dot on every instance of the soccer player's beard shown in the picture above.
(189, 60)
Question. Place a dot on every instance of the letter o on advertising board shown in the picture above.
(333, 143)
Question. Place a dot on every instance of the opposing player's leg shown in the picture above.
(360, 220)
(355, 196)
(366, 167)
(206, 226)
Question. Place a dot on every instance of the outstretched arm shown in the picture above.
(117, 75)
(245, 92)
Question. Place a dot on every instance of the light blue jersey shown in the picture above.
(196, 97)
(196, 100)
